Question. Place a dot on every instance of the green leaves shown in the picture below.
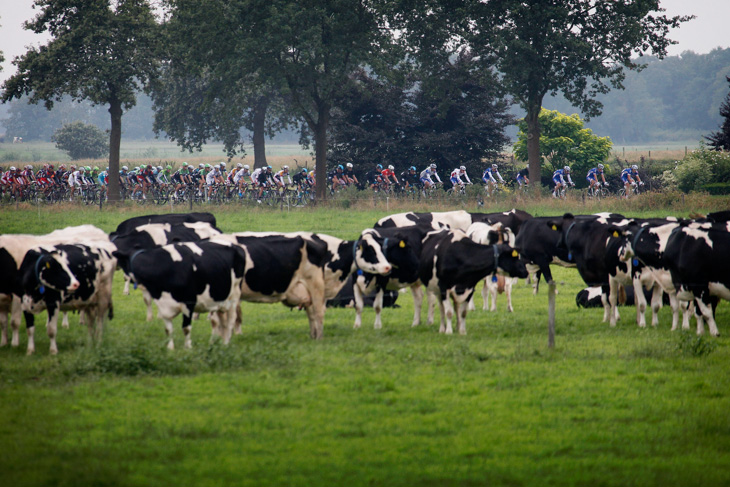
(81, 141)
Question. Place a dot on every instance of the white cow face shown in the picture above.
(369, 254)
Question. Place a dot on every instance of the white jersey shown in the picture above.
(456, 173)
(241, 174)
(211, 176)
(74, 178)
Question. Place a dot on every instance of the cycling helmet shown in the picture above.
(82, 168)
(462, 168)
(304, 170)
(379, 167)
(285, 168)
(245, 166)
(96, 168)
(125, 168)
(50, 166)
(412, 168)
(239, 165)
(217, 166)
(168, 168)
(268, 167)
(635, 167)
(391, 167)
(159, 168)
(223, 164)
(341, 167)
(494, 166)
(207, 166)
(349, 165)
(600, 166)
(12, 168)
(432, 166)
(184, 164)
(201, 165)
(566, 168)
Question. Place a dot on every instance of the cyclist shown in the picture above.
(389, 173)
(410, 178)
(303, 180)
(279, 176)
(242, 178)
(522, 177)
(427, 176)
(630, 178)
(182, 176)
(262, 179)
(164, 175)
(224, 171)
(489, 177)
(592, 177)
(562, 179)
(374, 177)
(213, 178)
(457, 175)
(75, 179)
(337, 177)
(349, 175)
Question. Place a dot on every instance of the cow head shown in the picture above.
(369, 251)
(509, 262)
(52, 271)
(562, 226)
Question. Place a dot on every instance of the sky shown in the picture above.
(701, 35)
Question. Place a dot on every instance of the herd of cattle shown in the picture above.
(186, 265)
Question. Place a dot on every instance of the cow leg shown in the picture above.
(704, 303)
(127, 280)
(236, 317)
(688, 308)
(612, 300)
(4, 319)
(448, 313)
(186, 327)
(431, 305)
(148, 302)
(51, 329)
(316, 310)
(64, 322)
(461, 309)
(443, 327)
(417, 292)
(15, 314)
(470, 305)
(674, 305)
(508, 291)
(359, 304)
(378, 308)
(485, 294)
(639, 302)
(493, 291)
(656, 304)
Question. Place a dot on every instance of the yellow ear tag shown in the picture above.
(359, 247)
(514, 253)
(615, 233)
(402, 244)
(48, 265)
(555, 227)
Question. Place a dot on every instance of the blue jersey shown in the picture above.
(558, 175)
(628, 172)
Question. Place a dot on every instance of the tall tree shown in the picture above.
(101, 50)
(577, 47)
(310, 46)
(720, 140)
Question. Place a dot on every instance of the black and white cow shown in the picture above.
(345, 298)
(12, 251)
(486, 234)
(188, 277)
(646, 246)
(172, 218)
(459, 219)
(698, 255)
(151, 235)
(66, 277)
(451, 266)
(305, 269)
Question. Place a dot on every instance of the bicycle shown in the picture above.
(635, 190)
(598, 192)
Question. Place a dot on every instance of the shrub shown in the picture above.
(717, 188)
(701, 168)
(81, 141)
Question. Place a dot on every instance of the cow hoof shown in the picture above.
(170, 345)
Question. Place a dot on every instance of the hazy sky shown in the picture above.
(701, 35)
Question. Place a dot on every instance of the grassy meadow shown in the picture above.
(399, 406)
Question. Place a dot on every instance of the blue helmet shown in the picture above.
(379, 166)
(341, 167)
(412, 168)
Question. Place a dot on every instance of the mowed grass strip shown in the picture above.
(396, 406)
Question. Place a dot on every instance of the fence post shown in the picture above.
(551, 315)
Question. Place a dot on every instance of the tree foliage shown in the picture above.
(81, 141)
(564, 141)
(451, 116)
(720, 140)
(577, 47)
(100, 50)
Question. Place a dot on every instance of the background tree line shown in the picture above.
(674, 99)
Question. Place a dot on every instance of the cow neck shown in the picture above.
(567, 234)
(131, 259)
(354, 250)
(37, 270)
(636, 238)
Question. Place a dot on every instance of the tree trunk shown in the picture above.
(533, 144)
(259, 133)
(115, 139)
(320, 151)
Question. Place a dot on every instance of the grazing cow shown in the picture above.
(346, 297)
(451, 266)
(460, 219)
(304, 269)
(172, 218)
(188, 277)
(400, 247)
(64, 277)
(698, 256)
(646, 246)
(12, 251)
(593, 297)
(151, 235)
(495, 283)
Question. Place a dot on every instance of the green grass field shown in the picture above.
(397, 406)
